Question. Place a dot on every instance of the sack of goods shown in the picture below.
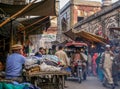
(44, 67)
(34, 69)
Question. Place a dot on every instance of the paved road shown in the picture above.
(90, 83)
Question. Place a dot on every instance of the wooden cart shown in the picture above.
(48, 80)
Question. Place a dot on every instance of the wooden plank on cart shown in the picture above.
(48, 73)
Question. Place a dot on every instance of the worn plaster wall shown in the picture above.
(100, 25)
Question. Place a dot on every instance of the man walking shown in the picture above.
(63, 57)
(107, 65)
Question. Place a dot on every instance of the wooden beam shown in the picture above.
(34, 23)
(16, 14)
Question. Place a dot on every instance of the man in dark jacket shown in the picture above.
(40, 52)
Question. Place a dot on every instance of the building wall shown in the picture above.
(71, 11)
(102, 23)
(65, 15)
(84, 11)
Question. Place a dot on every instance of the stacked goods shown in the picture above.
(32, 65)
(44, 67)
(45, 63)
(33, 70)
(52, 60)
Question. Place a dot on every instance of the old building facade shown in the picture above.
(101, 22)
(73, 12)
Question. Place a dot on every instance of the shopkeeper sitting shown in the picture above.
(14, 63)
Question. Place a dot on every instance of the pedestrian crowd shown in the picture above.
(106, 66)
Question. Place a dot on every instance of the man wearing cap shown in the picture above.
(107, 65)
(14, 63)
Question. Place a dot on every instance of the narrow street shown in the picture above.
(90, 83)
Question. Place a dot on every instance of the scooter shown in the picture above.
(79, 72)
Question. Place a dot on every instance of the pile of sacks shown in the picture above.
(47, 63)
(32, 65)
(47, 68)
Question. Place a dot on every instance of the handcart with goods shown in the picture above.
(45, 72)
(47, 80)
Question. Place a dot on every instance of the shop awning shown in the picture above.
(32, 27)
(18, 25)
(73, 34)
(41, 8)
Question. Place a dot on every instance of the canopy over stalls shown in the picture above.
(37, 28)
(41, 8)
(73, 34)
(18, 25)
(6, 29)
(10, 27)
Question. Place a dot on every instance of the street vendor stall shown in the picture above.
(42, 9)
(45, 72)
(48, 80)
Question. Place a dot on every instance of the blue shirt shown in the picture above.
(38, 54)
(14, 65)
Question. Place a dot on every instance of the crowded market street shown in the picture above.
(59, 44)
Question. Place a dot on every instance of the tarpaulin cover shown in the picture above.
(16, 25)
(36, 28)
(73, 34)
(42, 8)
